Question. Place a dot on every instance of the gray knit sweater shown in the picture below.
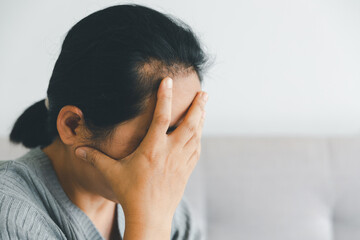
(34, 206)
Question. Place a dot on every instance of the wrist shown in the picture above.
(145, 216)
(154, 221)
(141, 228)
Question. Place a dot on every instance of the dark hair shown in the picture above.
(110, 63)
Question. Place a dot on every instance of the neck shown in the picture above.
(99, 209)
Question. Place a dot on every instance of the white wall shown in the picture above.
(283, 67)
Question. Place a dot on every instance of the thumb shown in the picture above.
(99, 160)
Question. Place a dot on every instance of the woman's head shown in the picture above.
(108, 71)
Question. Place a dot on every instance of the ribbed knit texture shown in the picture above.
(34, 206)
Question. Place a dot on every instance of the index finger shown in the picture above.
(162, 114)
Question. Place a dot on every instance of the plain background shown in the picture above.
(282, 67)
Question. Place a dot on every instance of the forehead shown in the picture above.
(185, 88)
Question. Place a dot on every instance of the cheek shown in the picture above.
(118, 151)
(121, 146)
(127, 137)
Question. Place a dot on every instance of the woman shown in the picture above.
(116, 139)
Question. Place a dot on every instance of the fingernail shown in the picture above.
(205, 96)
(81, 153)
(169, 82)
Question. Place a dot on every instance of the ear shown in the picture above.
(70, 125)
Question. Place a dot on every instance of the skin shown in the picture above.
(89, 186)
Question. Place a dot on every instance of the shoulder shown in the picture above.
(21, 220)
(185, 225)
(22, 213)
(18, 181)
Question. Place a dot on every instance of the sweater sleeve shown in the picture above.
(19, 220)
(185, 225)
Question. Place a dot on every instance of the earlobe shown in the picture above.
(69, 122)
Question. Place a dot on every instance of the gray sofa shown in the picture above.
(273, 188)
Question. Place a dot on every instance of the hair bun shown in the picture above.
(30, 128)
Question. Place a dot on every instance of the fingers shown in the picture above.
(194, 144)
(162, 114)
(99, 160)
(201, 124)
(193, 160)
(194, 141)
(192, 121)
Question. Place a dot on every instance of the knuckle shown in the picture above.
(151, 154)
(90, 155)
(165, 95)
(197, 134)
(162, 119)
(201, 104)
(195, 141)
(190, 127)
(93, 157)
